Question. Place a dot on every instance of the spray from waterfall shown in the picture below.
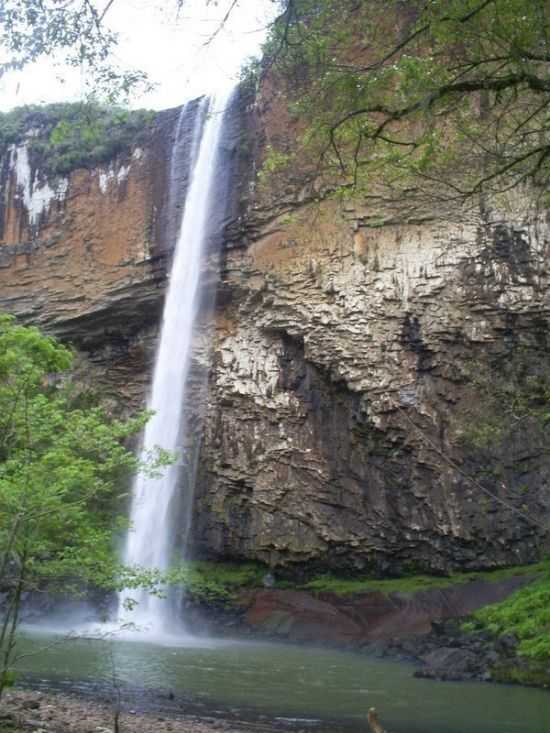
(155, 502)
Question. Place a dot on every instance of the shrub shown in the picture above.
(66, 136)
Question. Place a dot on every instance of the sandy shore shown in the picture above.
(56, 713)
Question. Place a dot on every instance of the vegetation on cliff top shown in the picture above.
(65, 136)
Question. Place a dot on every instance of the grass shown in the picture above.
(526, 615)
(210, 581)
(413, 583)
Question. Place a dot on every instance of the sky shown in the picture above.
(171, 48)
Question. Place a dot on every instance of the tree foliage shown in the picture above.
(75, 32)
(64, 136)
(64, 467)
(449, 93)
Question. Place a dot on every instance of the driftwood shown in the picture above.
(373, 721)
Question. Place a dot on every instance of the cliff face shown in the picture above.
(81, 256)
(339, 365)
(342, 355)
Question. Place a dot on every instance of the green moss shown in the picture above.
(526, 615)
(346, 586)
(215, 582)
(412, 583)
(274, 162)
(533, 675)
(210, 581)
(73, 135)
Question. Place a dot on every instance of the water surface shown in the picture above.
(311, 687)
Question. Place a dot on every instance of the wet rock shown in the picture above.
(449, 663)
(377, 649)
(334, 340)
(301, 617)
(36, 723)
(7, 718)
(492, 658)
(506, 644)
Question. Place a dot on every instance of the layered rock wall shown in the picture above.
(338, 367)
(83, 257)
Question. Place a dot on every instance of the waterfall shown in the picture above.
(155, 502)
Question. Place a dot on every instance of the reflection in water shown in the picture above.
(286, 682)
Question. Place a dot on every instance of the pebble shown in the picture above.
(56, 712)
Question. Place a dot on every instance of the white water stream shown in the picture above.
(154, 501)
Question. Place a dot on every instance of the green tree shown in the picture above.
(63, 136)
(64, 467)
(449, 95)
(75, 32)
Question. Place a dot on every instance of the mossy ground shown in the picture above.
(209, 581)
(218, 581)
(412, 583)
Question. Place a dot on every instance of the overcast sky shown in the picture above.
(170, 48)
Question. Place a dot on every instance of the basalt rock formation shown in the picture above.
(343, 348)
(339, 365)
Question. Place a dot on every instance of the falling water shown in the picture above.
(150, 542)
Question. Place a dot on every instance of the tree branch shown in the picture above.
(533, 82)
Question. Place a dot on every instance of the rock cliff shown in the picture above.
(342, 355)
(79, 256)
(339, 364)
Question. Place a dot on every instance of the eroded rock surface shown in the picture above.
(343, 354)
(371, 616)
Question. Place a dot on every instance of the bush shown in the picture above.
(211, 582)
(66, 136)
(526, 615)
